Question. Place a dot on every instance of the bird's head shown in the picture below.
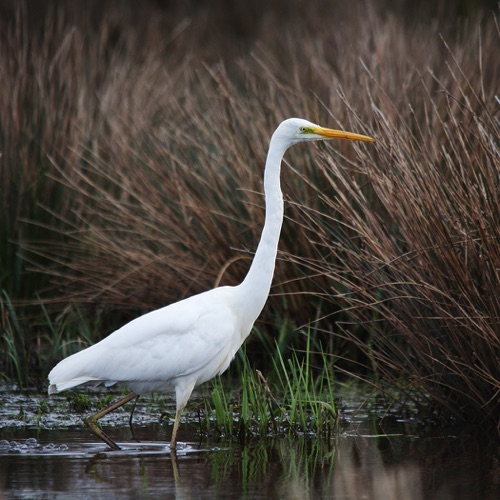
(296, 130)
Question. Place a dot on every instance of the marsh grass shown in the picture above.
(14, 350)
(413, 237)
(131, 175)
(288, 401)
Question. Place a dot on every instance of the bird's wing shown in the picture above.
(191, 338)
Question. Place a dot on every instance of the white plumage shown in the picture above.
(187, 343)
(153, 351)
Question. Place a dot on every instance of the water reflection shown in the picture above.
(47, 455)
(349, 467)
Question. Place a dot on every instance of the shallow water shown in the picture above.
(54, 456)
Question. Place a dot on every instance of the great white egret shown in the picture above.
(187, 343)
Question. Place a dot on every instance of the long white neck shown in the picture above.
(256, 285)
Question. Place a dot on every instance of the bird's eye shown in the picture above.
(305, 130)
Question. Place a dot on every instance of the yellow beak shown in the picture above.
(340, 134)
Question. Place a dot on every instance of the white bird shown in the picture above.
(189, 342)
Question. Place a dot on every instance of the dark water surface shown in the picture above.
(52, 455)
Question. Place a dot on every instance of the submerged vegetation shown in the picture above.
(132, 147)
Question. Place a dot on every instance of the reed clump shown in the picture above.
(132, 148)
(411, 240)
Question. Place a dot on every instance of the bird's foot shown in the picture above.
(91, 423)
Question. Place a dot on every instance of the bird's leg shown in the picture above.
(130, 419)
(182, 393)
(91, 422)
(173, 440)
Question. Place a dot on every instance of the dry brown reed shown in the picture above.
(135, 143)
(410, 239)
